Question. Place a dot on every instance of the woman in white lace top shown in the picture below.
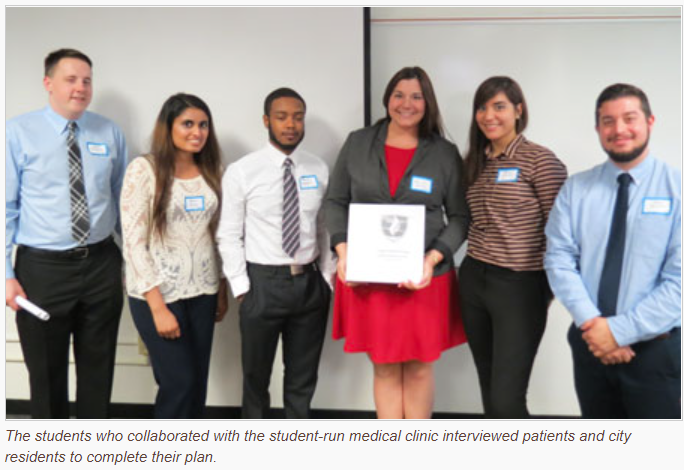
(170, 205)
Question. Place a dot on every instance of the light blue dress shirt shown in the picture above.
(649, 301)
(37, 205)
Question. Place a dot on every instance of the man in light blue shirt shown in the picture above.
(626, 350)
(64, 168)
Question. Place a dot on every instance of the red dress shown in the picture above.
(398, 325)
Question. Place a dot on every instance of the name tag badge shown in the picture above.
(308, 182)
(194, 203)
(507, 175)
(97, 149)
(657, 205)
(421, 184)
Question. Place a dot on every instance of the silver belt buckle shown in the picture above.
(81, 252)
(296, 269)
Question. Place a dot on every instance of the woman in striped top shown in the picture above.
(511, 186)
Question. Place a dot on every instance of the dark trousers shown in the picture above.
(84, 298)
(180, 366)
(647, 387)
(296, 309)
(504, 316)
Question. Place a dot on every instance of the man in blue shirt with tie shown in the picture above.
(64, 168)
(614, 260)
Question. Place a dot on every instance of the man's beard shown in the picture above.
(282, 146)
(626, 157)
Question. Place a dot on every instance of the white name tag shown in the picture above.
(421, 184)
(507, 175)
(100, 150)
(194, 203)
(308, 182)
(657, 205)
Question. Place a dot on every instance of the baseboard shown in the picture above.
(145, 411)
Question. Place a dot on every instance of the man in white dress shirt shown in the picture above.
(276, 257)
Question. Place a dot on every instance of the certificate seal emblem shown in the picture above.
(394, 226)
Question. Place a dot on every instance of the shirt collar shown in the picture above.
(60, 123)
(277, 156)
(639, 173)
(509, 151)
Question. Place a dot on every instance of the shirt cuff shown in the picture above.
(9, 270)
(583, 311)
(624, 331)
(144, 287)
(239, 285)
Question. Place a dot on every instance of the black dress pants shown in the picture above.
(84, 297)
(181, 365)
(647, 387)
(504, 317)
(291, 307)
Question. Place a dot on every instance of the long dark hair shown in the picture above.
(431, 124)
(163, 152)
(475, 157)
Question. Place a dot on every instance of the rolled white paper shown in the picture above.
(32, 308)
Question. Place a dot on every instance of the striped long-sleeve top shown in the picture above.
(509, 204)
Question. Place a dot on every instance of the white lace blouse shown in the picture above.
(184, 263)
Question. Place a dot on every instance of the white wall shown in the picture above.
(562, 58)
(230, 57)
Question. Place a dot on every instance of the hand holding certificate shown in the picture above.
(385, 243)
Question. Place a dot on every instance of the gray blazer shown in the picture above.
(360, 176)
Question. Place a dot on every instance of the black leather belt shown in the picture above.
(284, 270)
(80, 252)
(643, 344)
(673, 331)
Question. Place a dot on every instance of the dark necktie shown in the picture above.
(80, 219)
(290, 211)
(609, 285)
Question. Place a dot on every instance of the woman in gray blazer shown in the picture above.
(402, 159)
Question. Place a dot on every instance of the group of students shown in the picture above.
(270, 227)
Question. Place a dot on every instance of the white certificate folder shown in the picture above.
(385, 243)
